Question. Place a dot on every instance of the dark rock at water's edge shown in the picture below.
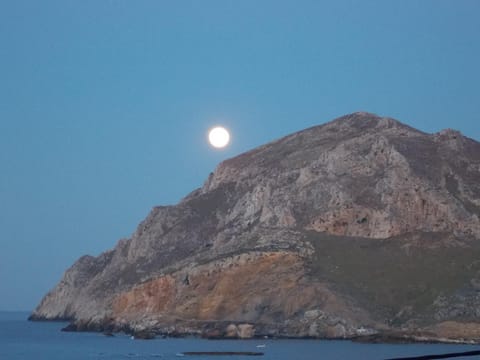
(144, 335)
(359, 228)
(71, 327)
(36, 317)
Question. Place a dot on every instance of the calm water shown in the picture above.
(20, 339)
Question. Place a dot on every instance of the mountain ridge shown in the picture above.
(292, 238)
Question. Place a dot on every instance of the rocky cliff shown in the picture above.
(362, 226)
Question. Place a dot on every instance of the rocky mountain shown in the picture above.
(360, 227)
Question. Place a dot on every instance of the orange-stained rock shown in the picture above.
(152, 297)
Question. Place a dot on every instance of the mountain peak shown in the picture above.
(305, 146)
(363, 121)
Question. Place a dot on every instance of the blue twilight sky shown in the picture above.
(104, 105)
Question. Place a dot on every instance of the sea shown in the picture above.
(21, 339)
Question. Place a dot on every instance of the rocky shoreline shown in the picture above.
(228, 331)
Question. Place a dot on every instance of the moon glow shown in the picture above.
(218, 137)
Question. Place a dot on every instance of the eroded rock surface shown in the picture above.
(356, 227)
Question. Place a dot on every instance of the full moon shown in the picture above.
(218, 137)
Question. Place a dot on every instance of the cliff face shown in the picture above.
(359, 226)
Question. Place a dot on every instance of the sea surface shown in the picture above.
(21, 339)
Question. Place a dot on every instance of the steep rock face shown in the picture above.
(357, 226)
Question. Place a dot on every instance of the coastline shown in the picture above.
(210, 331)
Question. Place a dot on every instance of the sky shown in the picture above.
(105, 105)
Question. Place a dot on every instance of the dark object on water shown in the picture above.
(223, 353)
(440, 356)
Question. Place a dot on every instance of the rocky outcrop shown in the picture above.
(357, 227)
